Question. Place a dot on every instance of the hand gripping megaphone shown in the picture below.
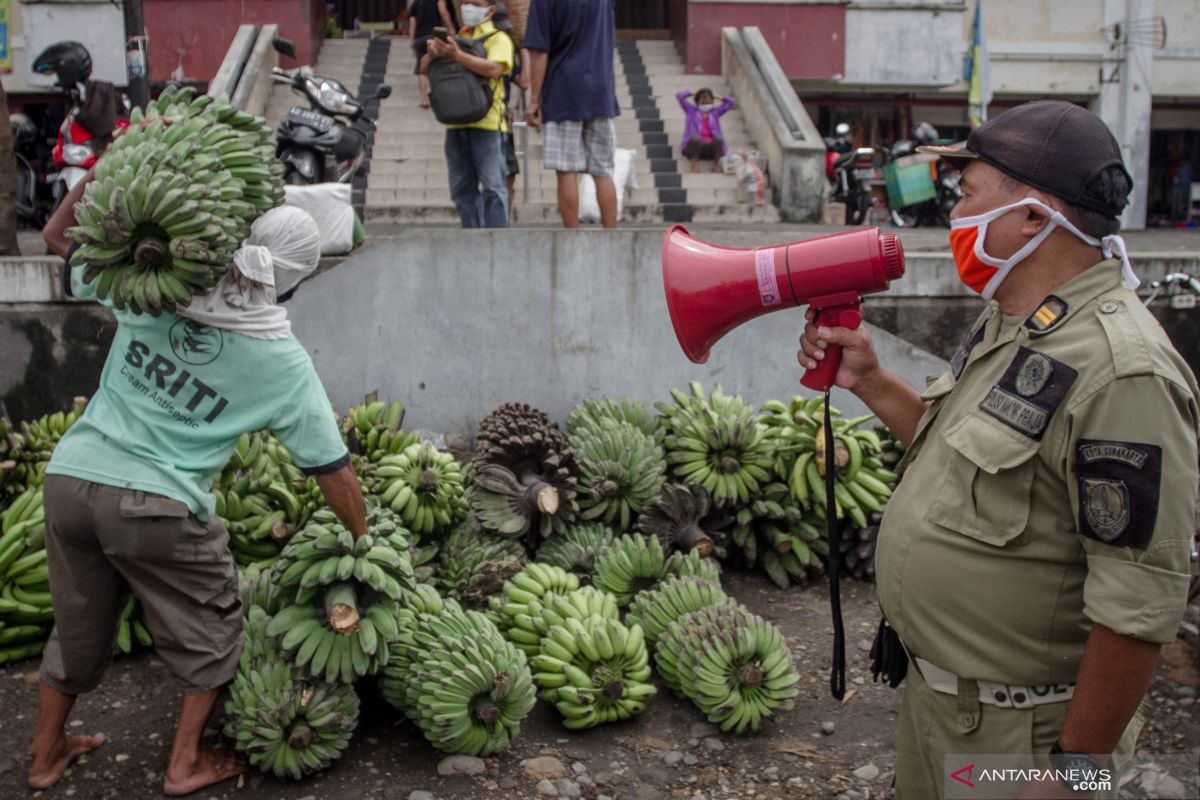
(711, 289)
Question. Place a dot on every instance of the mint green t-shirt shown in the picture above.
(174, 397)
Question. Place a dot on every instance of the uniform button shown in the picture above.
(1001, 697)
(1108, 307)
(1019, 697)
(967, 720)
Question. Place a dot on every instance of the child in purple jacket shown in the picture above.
(702, 138)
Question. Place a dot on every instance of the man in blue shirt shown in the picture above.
(574, 98)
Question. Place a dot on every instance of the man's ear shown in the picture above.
(1036, 219)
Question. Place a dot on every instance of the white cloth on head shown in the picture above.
(283, 247)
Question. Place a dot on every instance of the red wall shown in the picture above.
(808, 40)
(205, 29)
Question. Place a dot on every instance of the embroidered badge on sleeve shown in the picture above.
(1119, 484)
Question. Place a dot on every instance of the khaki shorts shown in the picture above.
(104, 543)
(933, 725)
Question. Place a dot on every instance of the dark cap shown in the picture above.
(500, 19)
(1052, 145)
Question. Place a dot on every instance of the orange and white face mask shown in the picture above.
(984, 273)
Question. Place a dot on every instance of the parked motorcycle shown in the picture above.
(855, 174)
(33, 201)
(97, 113)
(922, 190)
(333, 127)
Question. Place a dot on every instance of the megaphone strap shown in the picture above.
(837, 671)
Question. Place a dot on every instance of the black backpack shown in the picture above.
(457, 95)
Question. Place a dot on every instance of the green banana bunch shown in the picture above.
(472, 566)
(858, 544)
(257, 587)
(621, 472)
(465, 686)
(656, 608)
(372, 430)
(577, 548)
(777, 535)
(595, 413)
(694, 565)
(716, 441)
(594, 671)
(22, 527)
(341, 595)
(686, 519)
(525, 594)
(422, 485)
(528, 629)
(21, 641)
(171, 202)
(801, 460)
(525, 475)
(132, 628)
(25, 450)
(285, 724)
(631, 564)
(732, 664)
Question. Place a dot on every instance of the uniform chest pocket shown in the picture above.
(988, 481)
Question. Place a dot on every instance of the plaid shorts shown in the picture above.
(580, 146)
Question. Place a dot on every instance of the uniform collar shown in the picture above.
(1073, 295)
(479, 31)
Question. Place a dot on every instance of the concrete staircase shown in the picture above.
(408, 180)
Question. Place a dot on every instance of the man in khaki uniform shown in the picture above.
(1035, 555)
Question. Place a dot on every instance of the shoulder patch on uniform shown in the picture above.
(1119, 484)
(1030, 391)
(959, 360)
(1052, 311)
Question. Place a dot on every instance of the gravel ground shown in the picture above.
(822, 749)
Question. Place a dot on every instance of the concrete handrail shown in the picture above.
(778, 123)
(254, 87)
(230, 72)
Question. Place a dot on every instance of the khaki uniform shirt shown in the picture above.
(1051, 485)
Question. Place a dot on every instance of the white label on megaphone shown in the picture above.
(768, 286)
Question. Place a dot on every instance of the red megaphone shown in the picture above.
(711, 289)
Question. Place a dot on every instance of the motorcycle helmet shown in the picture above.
(925, 134)
(69, 62)
(22, 128)
(842, 129)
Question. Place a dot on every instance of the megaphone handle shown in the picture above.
(821, 377)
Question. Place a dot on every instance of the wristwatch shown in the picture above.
(1081, 765)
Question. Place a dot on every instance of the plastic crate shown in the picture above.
(908, 182)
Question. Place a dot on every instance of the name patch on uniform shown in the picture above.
(1049, 313)
(1029, 393)
(1119, 484)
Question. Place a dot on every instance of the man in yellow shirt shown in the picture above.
(475, 151)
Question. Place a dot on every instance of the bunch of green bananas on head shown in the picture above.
(424, 486)
(735, 666)
(285, 723)
(341, 595)
(172, 200)
(459, 680)
(621, 472)
(594, 671)
(861, 485)
(716, 441)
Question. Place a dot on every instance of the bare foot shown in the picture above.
(49, 767)
(695, 166)
(716, 166)
(212, 765)
(425, 103)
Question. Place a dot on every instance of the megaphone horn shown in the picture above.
(713, 289)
